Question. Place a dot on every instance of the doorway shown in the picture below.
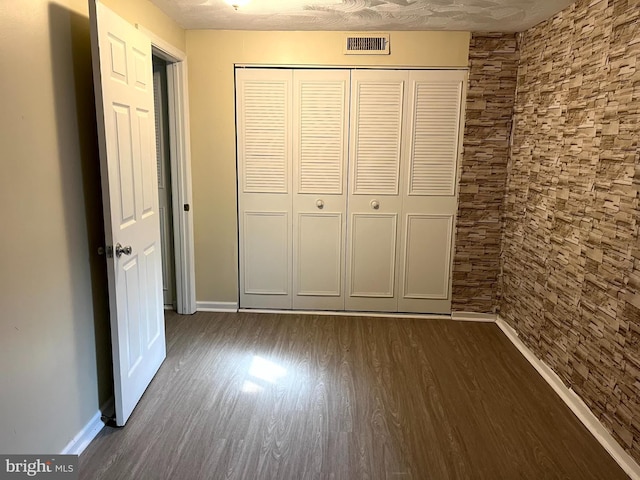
(163, 158)
(178, 243)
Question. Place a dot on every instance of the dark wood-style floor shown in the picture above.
(289, 397)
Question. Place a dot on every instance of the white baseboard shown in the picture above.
(575, 403)
(474, 317)
(217, 306)
(84, 437)
(345, 313)
(457, 316)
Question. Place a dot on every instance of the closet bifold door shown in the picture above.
(263, 123)
(320, 139)
(433, 143)
(378, 100)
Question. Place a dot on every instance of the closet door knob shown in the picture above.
(375, 204)
(320, 204)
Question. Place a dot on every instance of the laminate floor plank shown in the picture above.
(273, 396)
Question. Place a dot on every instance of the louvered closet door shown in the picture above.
(320, 136)
(430, 198)
(263, 116)
(375, 186)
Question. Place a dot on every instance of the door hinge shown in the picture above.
(187, 207)
(108, 251)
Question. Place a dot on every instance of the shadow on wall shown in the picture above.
(80, 173)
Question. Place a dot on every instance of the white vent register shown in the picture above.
(367, 44)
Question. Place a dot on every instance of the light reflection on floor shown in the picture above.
(262, 372)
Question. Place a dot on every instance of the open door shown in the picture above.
(122, 68)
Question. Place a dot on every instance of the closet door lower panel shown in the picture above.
(371, 270)
(265, 252)
(318, 261)
(426, 262)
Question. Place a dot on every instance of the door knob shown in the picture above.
(320, 204)
(375, 204)
(120, 250)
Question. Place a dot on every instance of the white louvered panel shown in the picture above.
(378, 137)
(434, 142)
(264, 136)
(157, 101)
(322, 152)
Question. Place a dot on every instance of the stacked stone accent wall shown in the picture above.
(571, 257)
(493, 63)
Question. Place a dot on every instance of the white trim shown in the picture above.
(179, 134)
(346, 313)
(162, 48)
(217, 306)
(84, 437)
(180, 155)
(455, 316)
(575, 403)
(319, 66)
(474, 317)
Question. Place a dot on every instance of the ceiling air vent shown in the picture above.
(367, 44)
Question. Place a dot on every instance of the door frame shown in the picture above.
(180, 153)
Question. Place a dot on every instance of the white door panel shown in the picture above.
(319, 259)
(434, 127)
(123, 175)
(132, 336)
(375, 200)
(126, 131)
(376, 128)
(151, 260)
(320, 139)
(264, 119)
(319, 252)
(433, 144)
(320, 123)
(372, 265)
(427, 258)
(263, 116)
(148, 171)
(266, 255)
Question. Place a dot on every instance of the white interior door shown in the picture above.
(320, 139)
(263, 109)
(378, 100)
(125, 113)
(430, 202)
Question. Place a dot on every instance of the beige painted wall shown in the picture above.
(211, 56)
(54, 336)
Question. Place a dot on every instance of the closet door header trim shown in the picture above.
(345, 67)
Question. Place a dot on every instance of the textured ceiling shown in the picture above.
(363, 15)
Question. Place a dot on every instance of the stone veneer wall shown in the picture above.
(571, 256)
(493, 64)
